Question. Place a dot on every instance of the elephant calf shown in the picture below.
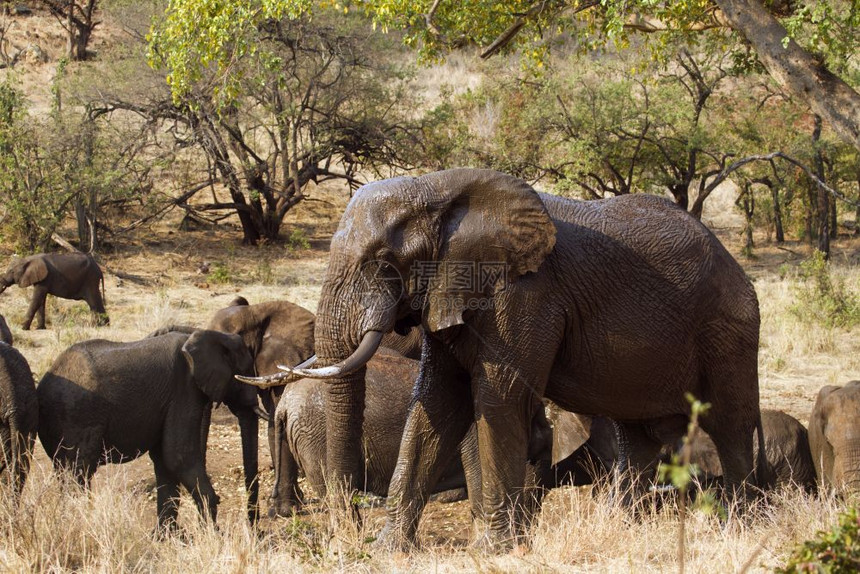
(103, 402)
(787, 452)
(834, 437)
(579, 458)
(19, 415)
(67, 275)
(300, 434)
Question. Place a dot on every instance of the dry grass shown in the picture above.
(59, 528)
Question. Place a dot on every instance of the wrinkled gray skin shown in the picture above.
(834, 438)
(19, 415)
(300, 433)
(5, 333)
(106, 402)
(280, 332)
(67, 275)
(616, 307)
(786, 446)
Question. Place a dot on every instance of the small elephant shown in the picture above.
(787, 452)
(67, 275)
(104, 402)
(834, 437)
(578, 458)
(19, 415)
(5, 333)
(301, 436)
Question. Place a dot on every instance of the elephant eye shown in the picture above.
(383, 254)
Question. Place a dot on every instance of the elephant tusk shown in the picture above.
(304, 365)
(366, 349)
(268, 381)
(277, 379)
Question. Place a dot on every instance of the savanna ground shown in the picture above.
(161, 275)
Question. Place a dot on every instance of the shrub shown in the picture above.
(823, 298)
(220, 274)
(832, 551)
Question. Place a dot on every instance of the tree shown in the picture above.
(804, 56)
(78, 19)
(304, 101)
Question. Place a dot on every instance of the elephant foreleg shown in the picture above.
(472, 470)
(503, 434)
(167, 496)
(439, 416)
(37, 305)
(195, 479)
(286, 497)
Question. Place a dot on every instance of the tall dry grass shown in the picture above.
(59, 528)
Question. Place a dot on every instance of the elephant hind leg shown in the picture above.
(94, 299)
(730, 385)
(732, 434)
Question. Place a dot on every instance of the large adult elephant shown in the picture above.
(617, 307)
(74, 276)
(107, 402)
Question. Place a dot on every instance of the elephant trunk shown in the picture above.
(848, 468)
(345, 395)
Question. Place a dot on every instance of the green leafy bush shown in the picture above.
(220, 274)
(832, 551)
(823, 298)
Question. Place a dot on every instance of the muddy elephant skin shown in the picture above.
(616, 307)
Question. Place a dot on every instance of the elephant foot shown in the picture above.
(392, 539)
(280, 509)
(495, 538)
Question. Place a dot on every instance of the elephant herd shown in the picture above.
(462, 321)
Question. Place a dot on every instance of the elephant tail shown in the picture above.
(764, 475)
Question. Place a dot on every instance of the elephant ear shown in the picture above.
(32, 271)
(569, 432)
(493, 228)
(214, 358)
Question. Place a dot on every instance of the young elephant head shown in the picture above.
(415, 250)
(24, 272)
(834, 437)
(214, 358)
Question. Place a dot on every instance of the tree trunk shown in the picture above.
(777, 215)
(823, 197)
(795, 69)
